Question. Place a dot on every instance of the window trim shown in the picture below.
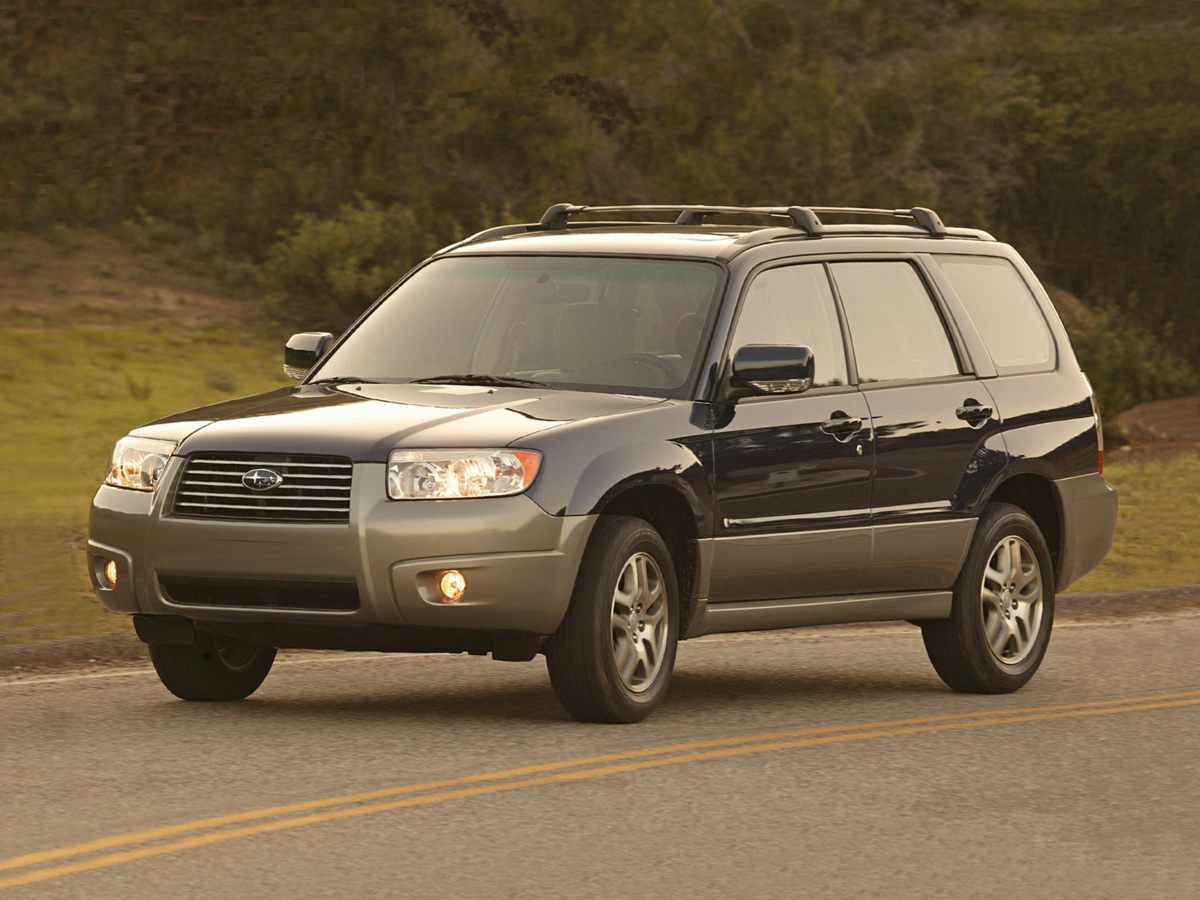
(915, 382)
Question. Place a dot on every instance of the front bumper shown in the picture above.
(520, 562)
(1089, 507)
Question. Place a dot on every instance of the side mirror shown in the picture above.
(771, 369)
(302, 351)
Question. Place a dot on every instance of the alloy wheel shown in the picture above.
(1011, 594)
(639, 622)
(236, 657)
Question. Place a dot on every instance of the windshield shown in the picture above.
(625, 325)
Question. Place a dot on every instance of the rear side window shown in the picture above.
(794, 305)
(1004, 312)
(894, 326)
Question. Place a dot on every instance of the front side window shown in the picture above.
(895, 329)
(794, 305)
(1004, 311)
(628, 325)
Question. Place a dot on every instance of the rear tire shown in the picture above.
(611, 659)
(210, 670)
(999, 625)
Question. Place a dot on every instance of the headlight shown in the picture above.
(453, 474)
(138, 463)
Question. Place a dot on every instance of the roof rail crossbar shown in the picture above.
(925, 218)
(801, 217)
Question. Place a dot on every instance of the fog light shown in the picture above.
(453, 585)
(110, 572)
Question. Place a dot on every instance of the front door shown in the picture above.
(793, 473)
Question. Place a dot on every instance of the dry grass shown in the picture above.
(95, 339)
(1158, 528)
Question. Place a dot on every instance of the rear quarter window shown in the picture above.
(1004, 311)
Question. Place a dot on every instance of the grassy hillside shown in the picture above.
(94, 340)
(1067, 127)
(1156, 542)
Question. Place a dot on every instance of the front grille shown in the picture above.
(313, 488)
(333, 596)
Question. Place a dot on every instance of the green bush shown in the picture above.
(220, 380)
(146, 232)
(1066, 128)
(325, 271)
(1126, 364)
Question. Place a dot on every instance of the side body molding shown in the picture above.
(715, 618)
(891, 557)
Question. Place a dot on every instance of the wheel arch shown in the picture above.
(1035, 493)
(671, 512)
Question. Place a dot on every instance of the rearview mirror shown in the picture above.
(302, 351)
(771, 369)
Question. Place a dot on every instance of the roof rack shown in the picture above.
(558, 215)
(924, 217)
(805, 219)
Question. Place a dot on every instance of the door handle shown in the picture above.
(841, 426)
(973, 412)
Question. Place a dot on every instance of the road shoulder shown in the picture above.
(111, 651)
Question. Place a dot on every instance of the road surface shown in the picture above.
(819, 762)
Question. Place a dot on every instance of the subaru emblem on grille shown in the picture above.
(262, 479)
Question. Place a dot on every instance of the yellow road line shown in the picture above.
(165, 831)
(966, 721)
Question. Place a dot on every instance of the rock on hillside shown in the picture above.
(1162, 421)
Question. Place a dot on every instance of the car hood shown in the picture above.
(365, 422)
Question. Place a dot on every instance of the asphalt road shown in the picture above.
(825, 762)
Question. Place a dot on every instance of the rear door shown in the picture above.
(932, 421)
(793, 473)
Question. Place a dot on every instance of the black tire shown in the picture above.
(582, 654)
(959, 646)
(211, 671)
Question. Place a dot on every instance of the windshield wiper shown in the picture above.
(344, 379)
(489, 380)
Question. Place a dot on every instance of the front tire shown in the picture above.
(611, 659)
(211, 670)
(999, 625)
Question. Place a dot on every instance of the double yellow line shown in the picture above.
(138, 845)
